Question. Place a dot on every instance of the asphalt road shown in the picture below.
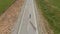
(27, 22)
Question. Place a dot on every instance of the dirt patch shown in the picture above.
(9, 17)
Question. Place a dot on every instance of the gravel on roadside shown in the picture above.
(8, 18)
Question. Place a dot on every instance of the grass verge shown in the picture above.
(51, 11)
(4, 4)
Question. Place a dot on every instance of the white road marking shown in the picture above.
(29, 9)
(23, 25)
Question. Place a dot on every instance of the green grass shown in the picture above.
(51, 11)
(4, 4)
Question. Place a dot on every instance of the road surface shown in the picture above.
(27, 22)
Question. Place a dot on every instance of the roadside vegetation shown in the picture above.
(4, 4)
(51, 11)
